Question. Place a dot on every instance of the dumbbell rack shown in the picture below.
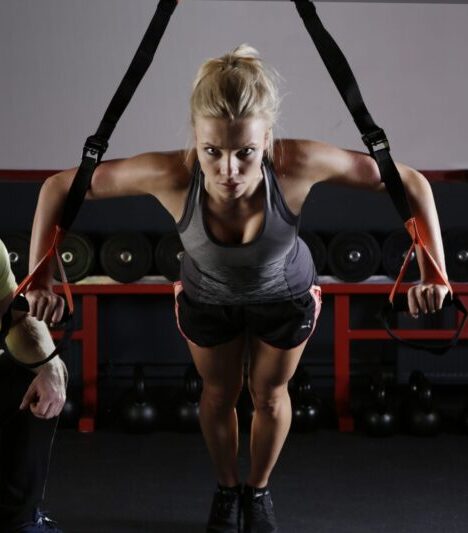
(343, 334)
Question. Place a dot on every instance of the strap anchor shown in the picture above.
(94, 148)
(376, 140)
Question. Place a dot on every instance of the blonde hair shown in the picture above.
(234, 86)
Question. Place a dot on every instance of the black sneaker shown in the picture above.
(40, 524)
(225, 513)
(259, 516)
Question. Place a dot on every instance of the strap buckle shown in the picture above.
(94, 148)
(376, 140)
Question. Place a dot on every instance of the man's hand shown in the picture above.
(46, 394)
(45, 305)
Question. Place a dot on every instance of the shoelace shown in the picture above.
(225, 503)
(44, 520)
(262, 506)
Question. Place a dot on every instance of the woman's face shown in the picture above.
(230, 154)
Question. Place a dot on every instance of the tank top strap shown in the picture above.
(193, 198)
(277, 195)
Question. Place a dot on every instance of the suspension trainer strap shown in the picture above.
(96, 145)
(373, 136)
(377, 143)
(94, 148)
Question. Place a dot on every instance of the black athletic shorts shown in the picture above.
(284, 324)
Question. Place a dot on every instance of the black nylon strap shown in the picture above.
(373, 136)
(138, 67)
(77, 192)
(97, 144)
(375, 140)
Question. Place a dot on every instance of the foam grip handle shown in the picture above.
(400, 302)
(20, 303)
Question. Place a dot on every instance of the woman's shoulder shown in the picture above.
(290, 154)
(303, 159)
(176, 165)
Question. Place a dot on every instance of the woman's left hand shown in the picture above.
(426, 298)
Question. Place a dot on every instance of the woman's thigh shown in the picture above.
(271, 368)
(221, 366)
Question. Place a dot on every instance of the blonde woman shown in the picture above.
(246, 278)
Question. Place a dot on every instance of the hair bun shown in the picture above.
(245, 51)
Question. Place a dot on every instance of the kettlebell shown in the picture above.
(70, 413)
(188, 416)
(423, 419)
(138, 413)
(306, 417)
(193, 384)
(379, 418)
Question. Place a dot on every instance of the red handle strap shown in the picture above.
(412, 228)
(53, 250)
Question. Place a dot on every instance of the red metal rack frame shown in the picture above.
(343, 335)
(342, 292)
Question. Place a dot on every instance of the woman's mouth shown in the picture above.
(231, 185)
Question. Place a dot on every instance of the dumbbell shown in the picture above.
(394, 251)
(126, 257)
(17, 244)
(168, 254)
(317, 249)
(354, 256)
(78, 255)
(456, 253)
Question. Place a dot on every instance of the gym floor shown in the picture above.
(325, 482)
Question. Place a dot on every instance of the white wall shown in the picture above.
(61, 61)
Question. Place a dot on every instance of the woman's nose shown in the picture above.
(229, 167)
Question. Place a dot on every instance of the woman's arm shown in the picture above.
(322, 162)
(157, 174)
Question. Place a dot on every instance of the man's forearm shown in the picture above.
(29, 341)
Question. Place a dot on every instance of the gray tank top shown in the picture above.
(276, 265)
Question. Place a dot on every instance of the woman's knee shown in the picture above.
(221, 397)
(269, 400)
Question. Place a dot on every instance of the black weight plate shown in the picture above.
(78, 257)
(317, 249)
(354, 256)
(456, 253)
(126, 257)
(17, 245)
(394, 250)
(167, 256)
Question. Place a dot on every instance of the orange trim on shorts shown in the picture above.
(178, 288)
(316, 293)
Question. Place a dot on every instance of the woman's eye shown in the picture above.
(246, 152)
(210, 151)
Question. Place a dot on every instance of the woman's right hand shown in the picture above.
(46, 305)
